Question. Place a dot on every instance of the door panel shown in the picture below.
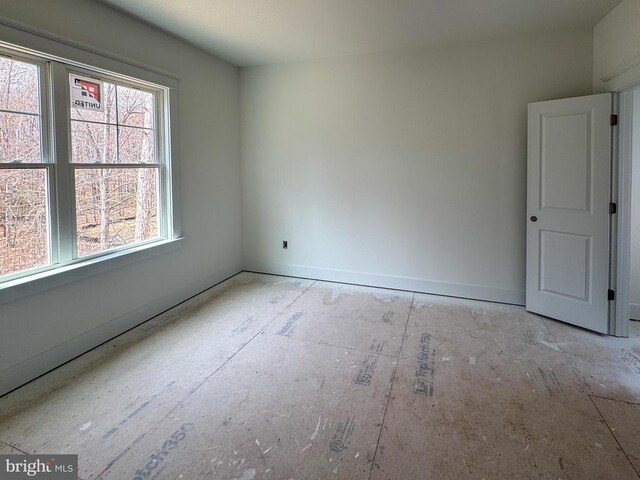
(568, 194)
(565, 261)
(565, 184)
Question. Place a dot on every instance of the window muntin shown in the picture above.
(117, 189)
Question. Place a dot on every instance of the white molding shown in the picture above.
(634, 311)
(634, 62)
(182, 298)
(169, 304)
(627, 79)
(420, 285)
(172, 147)
(622, 259)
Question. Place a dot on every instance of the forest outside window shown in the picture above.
(106, 190)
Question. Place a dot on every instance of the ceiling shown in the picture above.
(257, 32)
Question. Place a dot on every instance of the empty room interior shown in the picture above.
(330, 239)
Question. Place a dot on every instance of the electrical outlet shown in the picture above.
(285, 244)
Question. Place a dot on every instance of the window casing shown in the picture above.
(97, 186)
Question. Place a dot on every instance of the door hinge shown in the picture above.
(613, 208)
(613, 120)
(611, 295)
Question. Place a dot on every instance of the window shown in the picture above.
(24, 173)
(115, 170)
(84, 169)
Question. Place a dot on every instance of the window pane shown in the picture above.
(93, 143)
(109, 114)
(19, 88)
(115, 207)
(23, 220)
(136, 145)
(135, 107)
(19, 138)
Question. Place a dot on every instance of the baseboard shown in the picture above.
(476, 292)
(634, 311)
(25, 371)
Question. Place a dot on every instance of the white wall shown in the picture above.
(40, 331)
(634, 285)
(404, 170)
(616, 48)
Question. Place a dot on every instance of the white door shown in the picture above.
(568, 195)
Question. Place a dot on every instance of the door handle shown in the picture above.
(534, 218)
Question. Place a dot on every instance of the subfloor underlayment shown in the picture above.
(267, 377)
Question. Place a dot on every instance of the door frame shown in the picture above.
(621, 223)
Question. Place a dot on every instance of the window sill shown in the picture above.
(56, 277)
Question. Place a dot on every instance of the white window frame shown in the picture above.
(47, 162)
(65, 266)
(161, 164)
